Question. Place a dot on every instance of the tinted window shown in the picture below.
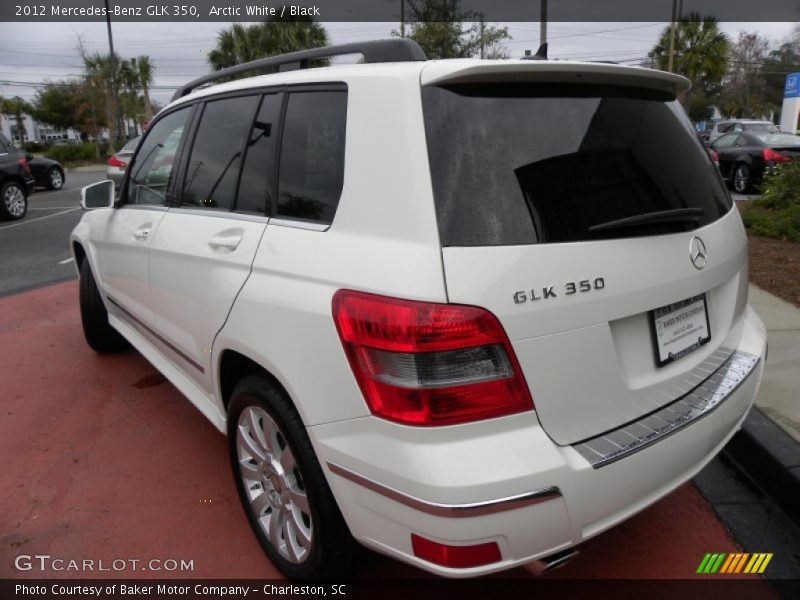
(312, 155)
(151, 167)
(520, 164)
(213, 167)
(257, 184)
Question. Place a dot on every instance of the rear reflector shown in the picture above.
(428, 364)
(458, 557)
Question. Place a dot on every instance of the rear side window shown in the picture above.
(533, 163)
(312, 155)
(257, 184)
(213, 168)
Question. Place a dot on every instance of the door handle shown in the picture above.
(142, 233)
(229, 242)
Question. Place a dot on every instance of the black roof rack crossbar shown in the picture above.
(376, 51)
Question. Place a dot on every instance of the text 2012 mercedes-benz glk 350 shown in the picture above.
(467, 313)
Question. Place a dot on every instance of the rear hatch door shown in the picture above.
(589, 219)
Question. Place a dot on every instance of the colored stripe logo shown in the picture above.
(735, 563)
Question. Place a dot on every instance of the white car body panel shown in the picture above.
(587, 358)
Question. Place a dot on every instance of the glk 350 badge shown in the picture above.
(550, 291)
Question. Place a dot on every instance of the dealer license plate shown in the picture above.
(680, 328)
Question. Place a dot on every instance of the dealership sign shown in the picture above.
(792, 87)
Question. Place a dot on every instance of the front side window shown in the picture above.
(312, 156)
(213, 167)
(152, 167)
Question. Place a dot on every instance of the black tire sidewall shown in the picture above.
(746, 169)
(257, 391)
(50, 178)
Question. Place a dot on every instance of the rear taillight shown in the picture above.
(714, 156)
(769, 155)
(113, 161)
(429, 364)
(458, 557)
(26, 168)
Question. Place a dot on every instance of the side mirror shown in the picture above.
(98, 195)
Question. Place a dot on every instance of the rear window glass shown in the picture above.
(533, 163)
(760, 127)
(779, 139)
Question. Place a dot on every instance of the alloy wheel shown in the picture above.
(741, 178)
(56, 180)
(15, 201)
(274, 485)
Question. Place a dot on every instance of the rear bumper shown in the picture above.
(506, 481)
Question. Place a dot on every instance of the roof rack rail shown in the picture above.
(375, 51)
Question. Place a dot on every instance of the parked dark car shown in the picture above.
(744, 157)
(48, 173)
(118, 162)
(16, 181)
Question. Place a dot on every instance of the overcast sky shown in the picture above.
(36, 52)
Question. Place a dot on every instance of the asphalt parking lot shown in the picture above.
(104, 459)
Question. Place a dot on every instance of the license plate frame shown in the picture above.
(690, 316)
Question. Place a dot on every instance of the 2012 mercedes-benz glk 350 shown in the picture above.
(467, 313)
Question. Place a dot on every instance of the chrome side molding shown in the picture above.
(449, 510)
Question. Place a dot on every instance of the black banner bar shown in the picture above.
(389, 10)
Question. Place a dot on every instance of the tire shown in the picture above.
(55, 178)
(281, 485)
(99, 334)
(13, 201)
(741, 178)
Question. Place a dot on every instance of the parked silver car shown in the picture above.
(118, 162)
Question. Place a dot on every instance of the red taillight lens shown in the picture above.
(113, 161)
(459, 557)
(714, 156)
(770, 155)
(26, 168)
(428, 364)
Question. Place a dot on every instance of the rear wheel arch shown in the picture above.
(235, 366)
(79, 253)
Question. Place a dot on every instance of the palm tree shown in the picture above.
(101, 72)
(701, 54)
(145, 70)
(242, 44)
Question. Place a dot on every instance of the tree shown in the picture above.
(145, 70)
(779, 62)
(57, 104)
(444, 30)
(701, 55)
(245, 43)
(102, 73)
(16, 107)
(743, 94)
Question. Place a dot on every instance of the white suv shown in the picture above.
(468, 313)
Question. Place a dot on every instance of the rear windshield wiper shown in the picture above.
(677, 215)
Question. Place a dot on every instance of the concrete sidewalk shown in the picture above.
(767, 448)
(779, 397)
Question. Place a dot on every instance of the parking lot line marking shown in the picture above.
(49, 207)
(63, 212)
(65, 261)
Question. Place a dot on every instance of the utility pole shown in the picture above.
(542, 22)
(677, 7)
(402, 18)
(483, 43)
(114, 90)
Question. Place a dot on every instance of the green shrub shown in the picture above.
(75, 153)
(33, 147)
(782, 189)
(776, 214)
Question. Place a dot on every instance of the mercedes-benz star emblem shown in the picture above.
(697, 253)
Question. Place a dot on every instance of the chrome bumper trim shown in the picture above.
(618, 443)
(449, 510)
